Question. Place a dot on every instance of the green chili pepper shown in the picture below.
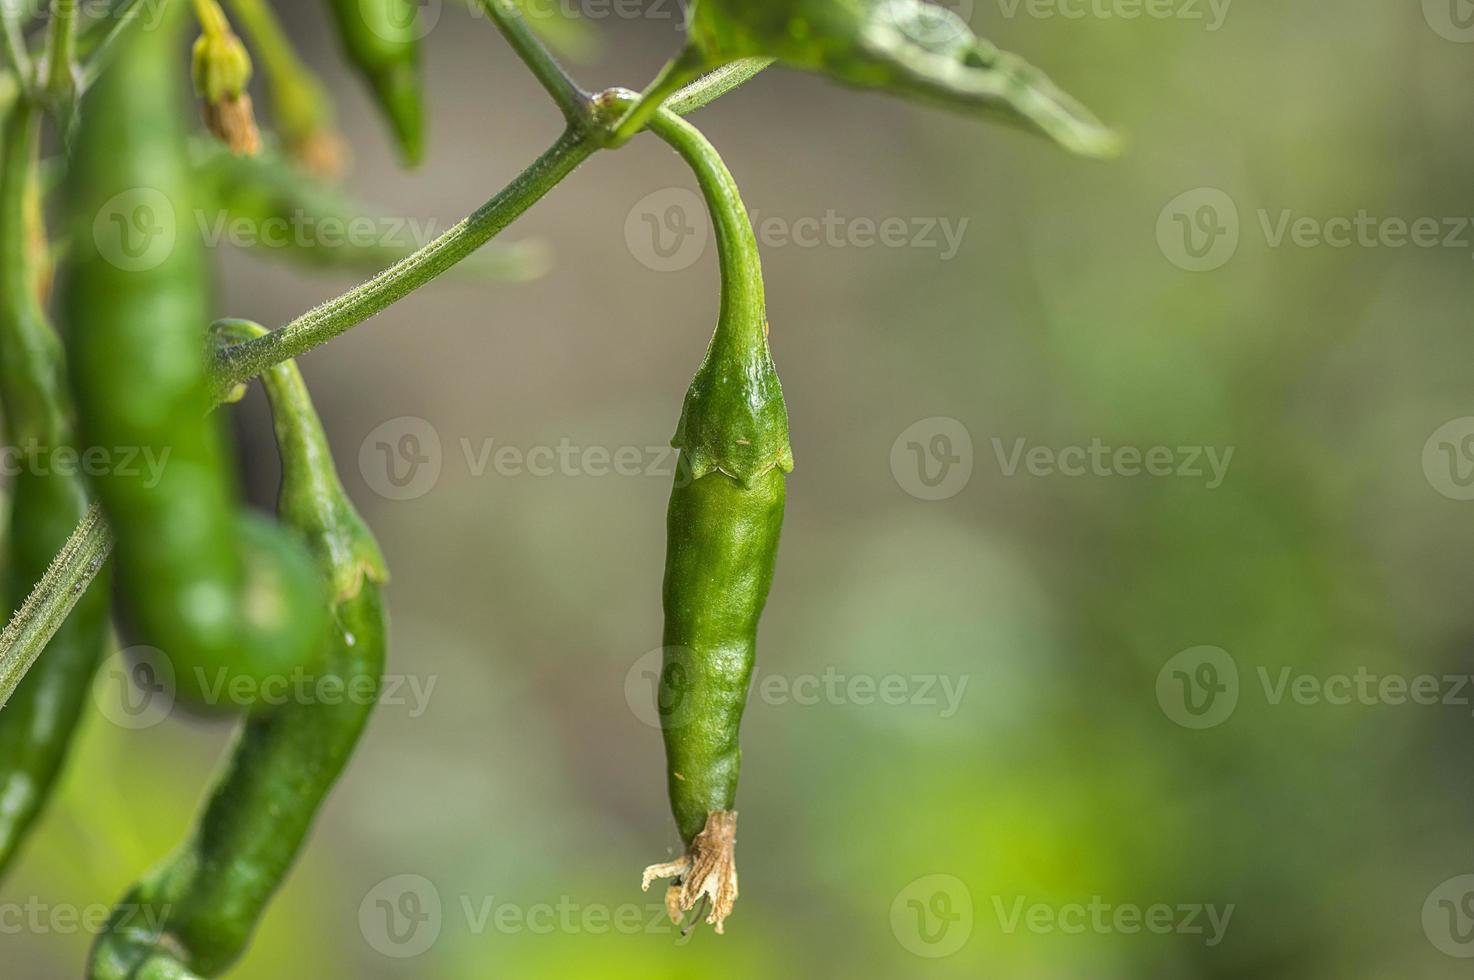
(379, 38)
(910, 47)
(722, 529)
(223, 594)
(48, 498)
(210, 895)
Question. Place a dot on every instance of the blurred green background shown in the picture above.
(1022, 826)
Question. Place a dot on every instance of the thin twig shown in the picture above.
(43, 612)
(572, 100)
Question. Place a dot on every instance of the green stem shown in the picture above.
(715, 84)
(572, 100)
(42, 614)
(742, 303)
(234, 365)
(679, 72)
(61, 56)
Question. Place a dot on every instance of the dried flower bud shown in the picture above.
(233, 122)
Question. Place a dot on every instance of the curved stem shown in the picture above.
(572, 100)
(61, 54)
(742, 303)
(236, 364)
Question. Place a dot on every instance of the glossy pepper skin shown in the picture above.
(212, 893)
(722, 529)
(37, 722)
(912, 48)
(379, 37)
(224, 594)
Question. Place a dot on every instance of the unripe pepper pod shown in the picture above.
(211, 894)
(380, 38)
(723, 524)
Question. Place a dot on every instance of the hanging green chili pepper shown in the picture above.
(48, 498)
(910, 47)
(380, 39)
(223, 594)
(722, 529)
(210, 895)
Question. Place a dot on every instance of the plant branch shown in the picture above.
(61, 51)
(237, 364)
(43, 612)
(73, 570)
(715, 84)
(572, 100)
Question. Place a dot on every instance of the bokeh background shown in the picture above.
(1111, 695)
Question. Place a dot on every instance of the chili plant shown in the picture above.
(221, 590)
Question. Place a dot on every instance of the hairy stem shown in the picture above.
(234, 365)
(42, 614)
